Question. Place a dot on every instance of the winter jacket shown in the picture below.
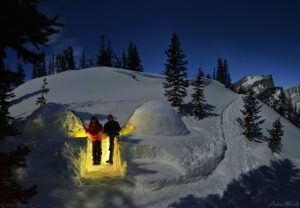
(112, 128)
(95, 132)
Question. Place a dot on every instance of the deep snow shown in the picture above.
(200, 159)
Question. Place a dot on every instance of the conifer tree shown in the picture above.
(83, 64)
(176, 82)
(91, 63)
(105, 53)
(39, 69)
(50, 67)
(208, 76)
(43, 69)
(275, 135)
(21, 74)
(198, 97)
(282, 100)
(124, 60)
(34, 73)
(214, 74)
(42, 100)
(250, 122)
(30, 27)
(133, 59)
(68, 62)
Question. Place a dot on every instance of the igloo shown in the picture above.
(156, 118)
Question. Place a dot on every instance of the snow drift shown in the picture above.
(157, 118)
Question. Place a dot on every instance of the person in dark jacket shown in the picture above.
(95, 131)
(112, 128)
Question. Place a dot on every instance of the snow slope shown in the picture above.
(160, 168)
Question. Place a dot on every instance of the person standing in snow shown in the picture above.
(112, 128)
(95, 131)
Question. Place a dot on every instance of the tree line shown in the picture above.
(107, 57)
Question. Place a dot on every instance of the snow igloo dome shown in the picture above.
(51, 121)
(157, 118)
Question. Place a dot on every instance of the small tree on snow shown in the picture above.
(42, 100)
(251, 120)
(275, 135)
(198, 96)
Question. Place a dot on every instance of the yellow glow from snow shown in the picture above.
(84, 163)
(126, 129)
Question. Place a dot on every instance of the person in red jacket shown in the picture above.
(95, 131)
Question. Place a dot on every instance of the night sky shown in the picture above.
(256, 37)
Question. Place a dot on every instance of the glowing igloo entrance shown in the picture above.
(86, 167)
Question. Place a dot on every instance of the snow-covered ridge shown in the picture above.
(294, 93)
(258, 83)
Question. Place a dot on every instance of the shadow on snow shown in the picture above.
(267, 186)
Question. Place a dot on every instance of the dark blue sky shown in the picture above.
(257, 37)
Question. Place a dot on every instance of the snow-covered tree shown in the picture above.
(275, 135)
(176, 82)
(250, 122)
(42, 100)
(198, 96)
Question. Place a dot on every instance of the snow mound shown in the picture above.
(51, 121)
(157, 118)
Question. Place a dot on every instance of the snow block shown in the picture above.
(157, 118)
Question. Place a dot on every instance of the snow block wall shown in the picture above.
(157, 118)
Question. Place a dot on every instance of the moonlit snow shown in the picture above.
(168, 155)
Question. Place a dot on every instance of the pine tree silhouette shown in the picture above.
(198, 97)
(275, 135)
(176, 82)
(250, 122)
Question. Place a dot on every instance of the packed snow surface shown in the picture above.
(168, 155)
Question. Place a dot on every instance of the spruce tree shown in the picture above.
(176, 82)
(91, 63)
(30, 27)
(133, 59)
(223, 75)
(198, 97)
(43, 68)
(275, 135)
(21, 74)
(68, 62)
(281, 105)
(50, 67)
(83, 64)
(214, 74)
(105, 53)
(250, 122)
(124, 60)
(42, 100)
(34, 71)
(208, 76)
(109, 55)
(39, 69)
